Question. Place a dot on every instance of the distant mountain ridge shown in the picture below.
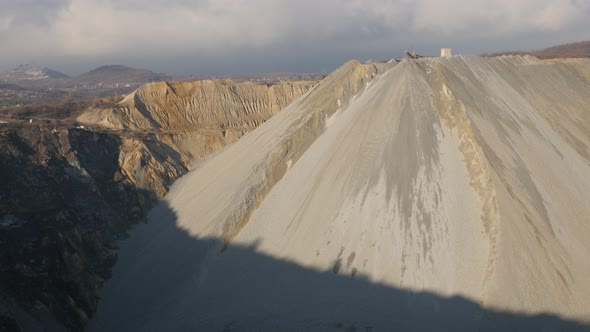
(31, 72)
(571, 50)
(110, 74)
(108, 79)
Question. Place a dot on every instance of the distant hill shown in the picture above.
(50, 73)
(103, 81)
(10, 86)
(117, 74)
(571, 50)
(28, 72)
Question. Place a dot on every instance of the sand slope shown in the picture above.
(462, 176)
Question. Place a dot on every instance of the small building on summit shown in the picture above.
(446, 52)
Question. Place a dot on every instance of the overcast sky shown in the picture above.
(248, 36)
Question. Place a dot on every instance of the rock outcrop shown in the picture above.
(207, 104)
(200, 117)
(67, 196)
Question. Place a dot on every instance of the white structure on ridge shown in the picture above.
(446, 52)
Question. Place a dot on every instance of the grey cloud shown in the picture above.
(253, 35)
(36, 12)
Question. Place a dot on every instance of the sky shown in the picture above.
(218, 37)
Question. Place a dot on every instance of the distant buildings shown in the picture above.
(446, 52)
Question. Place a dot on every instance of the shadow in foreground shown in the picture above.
(168, 280)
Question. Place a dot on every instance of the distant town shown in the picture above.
(28, 85)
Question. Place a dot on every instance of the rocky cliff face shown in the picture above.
(174, 106)
(67, 195)
(196, 118)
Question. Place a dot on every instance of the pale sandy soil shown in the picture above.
(416, 196)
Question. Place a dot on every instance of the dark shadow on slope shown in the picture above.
(64, 203)
(167, 280)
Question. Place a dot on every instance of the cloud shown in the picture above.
(6, 22)
(226, 32)
(556, 15)
(32, 12)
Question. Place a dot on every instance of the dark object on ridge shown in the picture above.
(413, 55)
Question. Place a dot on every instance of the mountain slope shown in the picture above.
(112, 74)
(462, 176)
(30, 72)
(195, 105)
(571, 50)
